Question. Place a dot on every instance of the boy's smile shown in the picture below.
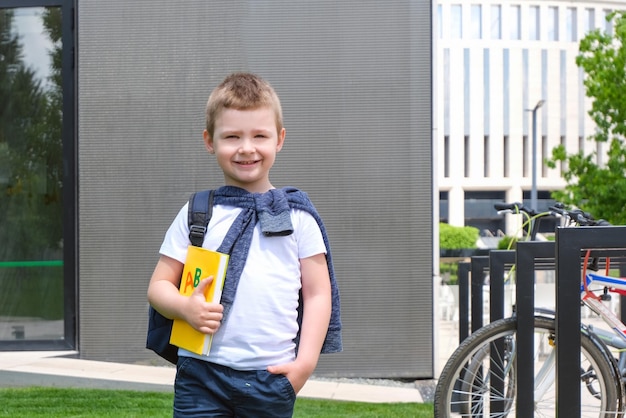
(245, 143)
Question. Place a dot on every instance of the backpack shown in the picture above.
(160, 327)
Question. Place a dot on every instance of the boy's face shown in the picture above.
(245, 143)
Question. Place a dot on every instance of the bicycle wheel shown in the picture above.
(483, 370)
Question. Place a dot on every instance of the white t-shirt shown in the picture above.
(262, 323)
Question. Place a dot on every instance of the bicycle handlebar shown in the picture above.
(514, 207)
(575, 215)
(578, 216)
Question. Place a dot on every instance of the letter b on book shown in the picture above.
(199, 265)
(196, 278)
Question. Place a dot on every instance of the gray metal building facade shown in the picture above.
(354, 79)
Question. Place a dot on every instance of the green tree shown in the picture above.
(600, 189)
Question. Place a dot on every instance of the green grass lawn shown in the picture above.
(57, 402)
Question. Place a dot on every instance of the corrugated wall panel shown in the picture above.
(354, 78)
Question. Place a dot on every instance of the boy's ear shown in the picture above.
(281, 140)
(208, 142)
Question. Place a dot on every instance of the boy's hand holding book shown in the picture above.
(202, 312)
(202, 315)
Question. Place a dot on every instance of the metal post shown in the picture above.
(533, 190)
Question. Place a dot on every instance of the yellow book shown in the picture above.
(200, 264)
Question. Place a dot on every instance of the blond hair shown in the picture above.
(242, 91)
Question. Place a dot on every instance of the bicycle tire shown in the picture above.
(463, 392)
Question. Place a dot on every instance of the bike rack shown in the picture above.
(498, 261)
(569, 244)
(463, 275)
(479, 265)
(471, 294)
(495, 263)
(530, 256)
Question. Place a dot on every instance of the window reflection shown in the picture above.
(440, 21)
(515, 23)
(31, 174)
(589, 20)
(533, 23)
(608, 24)
(477, 21)
(553, 23)
(456, 30)
(28, 24)
(496, 22)
(572, 26)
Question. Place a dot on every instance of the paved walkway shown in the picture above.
(60, 369)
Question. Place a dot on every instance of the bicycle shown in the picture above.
(479, 378)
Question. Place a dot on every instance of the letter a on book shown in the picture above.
(199, 265)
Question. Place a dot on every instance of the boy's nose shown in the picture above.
(247, 145)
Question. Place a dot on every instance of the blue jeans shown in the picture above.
(204, 389)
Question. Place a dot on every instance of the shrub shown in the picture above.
(507, 243)
(456, 237)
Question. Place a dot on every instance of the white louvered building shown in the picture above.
(494, 62)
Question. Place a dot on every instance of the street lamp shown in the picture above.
(533, 190)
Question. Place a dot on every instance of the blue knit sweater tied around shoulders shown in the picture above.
(272, 210)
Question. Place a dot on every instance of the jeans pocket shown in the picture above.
(183, 364)
(286, 386)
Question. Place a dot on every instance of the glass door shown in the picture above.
(37, 280)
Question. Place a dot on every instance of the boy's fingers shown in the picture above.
(278, 369)
(201, 288)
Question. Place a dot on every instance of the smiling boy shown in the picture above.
(245, 144)
(280, 306)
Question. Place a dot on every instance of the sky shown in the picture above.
(35, 43)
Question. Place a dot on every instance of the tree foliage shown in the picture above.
(597, 183)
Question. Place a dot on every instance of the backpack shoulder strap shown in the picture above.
(200, 211)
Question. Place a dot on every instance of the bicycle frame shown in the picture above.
(617, 338)
(596, 305)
